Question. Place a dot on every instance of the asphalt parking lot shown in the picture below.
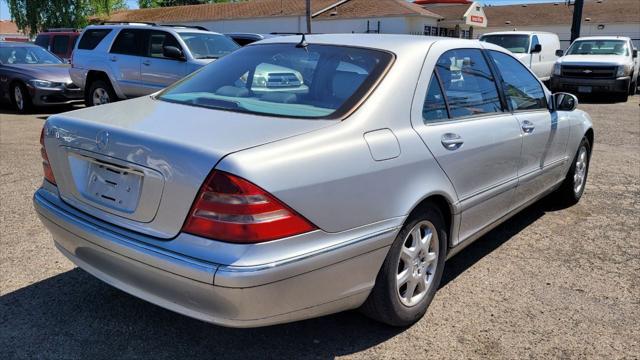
(549, 283)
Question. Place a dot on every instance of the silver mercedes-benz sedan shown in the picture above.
(345, 186)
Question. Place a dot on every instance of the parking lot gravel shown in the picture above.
(549, 283)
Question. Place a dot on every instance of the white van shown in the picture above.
(535, 49)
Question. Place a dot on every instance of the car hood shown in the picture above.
(593, 60)
(55, 73)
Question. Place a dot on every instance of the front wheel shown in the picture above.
(633, 88)
(411, 272)
(20, 98)
(572, 188)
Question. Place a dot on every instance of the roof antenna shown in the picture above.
(303, 43)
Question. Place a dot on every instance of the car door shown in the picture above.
(158, 71)
(544, 133)
(125, 59)
(462, 121)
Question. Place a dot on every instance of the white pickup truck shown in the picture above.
(605, 64)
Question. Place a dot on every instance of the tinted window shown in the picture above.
(60, 44)
(243, 41)
(522, 89)
(42, 40)
(467, 83)
(514, 43)
(91, 38)
(157, 41)
(128, 42)
(434, 109)
(318, 81)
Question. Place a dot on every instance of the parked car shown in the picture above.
(535, 49)
(247, 209)
(244, 39)
(607, 64)
(119, 61)
(58, 41)
(32, 76)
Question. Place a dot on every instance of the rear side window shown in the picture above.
(43, 40)
(468, 83)
(128, 42)
(60, 44)
(91, 38)
(434, 109)
(522, 90)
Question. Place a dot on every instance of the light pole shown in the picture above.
(577, 19)
(308, 16)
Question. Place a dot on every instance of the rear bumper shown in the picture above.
(573, 85)
(216, 293)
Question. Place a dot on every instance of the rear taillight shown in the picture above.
(232, 209)
(46, 167)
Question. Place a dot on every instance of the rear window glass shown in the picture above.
(42, 40)
(60, 44)
(319, 81)
(91, 38)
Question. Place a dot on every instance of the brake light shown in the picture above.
(46, 167)
(229, 208)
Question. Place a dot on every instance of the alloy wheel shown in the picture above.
(100, 96)
(580, 170)
(417, 263)
(18, 97)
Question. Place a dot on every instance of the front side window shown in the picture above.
(522, 90)
(319, 81)
(157, 41)
(27, 55)
(128, 42)
(434, 109)
(60, 44)
(518, 44)
(468, 83)
(599, 47)
(208, 46)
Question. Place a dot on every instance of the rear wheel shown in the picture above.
(20, 98)
(572, 188)
(633, 88)
(411, 273)
(100, 93)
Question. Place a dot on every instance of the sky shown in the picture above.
(133, 4)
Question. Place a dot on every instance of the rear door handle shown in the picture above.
(146, 62)
(528, 127)
(451, 141)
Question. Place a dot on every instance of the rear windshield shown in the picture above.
(598, 47)
(319, 81)
(518, 44)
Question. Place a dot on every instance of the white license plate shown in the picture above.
(584, 89)
(114, 187)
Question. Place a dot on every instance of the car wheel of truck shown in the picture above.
(20, 98)
(411, 272)
(100, 93)
(572, 188)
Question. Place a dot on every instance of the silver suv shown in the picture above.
(119, 61)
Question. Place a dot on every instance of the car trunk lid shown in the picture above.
(139, 164)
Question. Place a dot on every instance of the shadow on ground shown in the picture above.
(40, 112)
(75, 315)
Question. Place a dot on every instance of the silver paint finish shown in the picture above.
(417, 263)
(329, 171)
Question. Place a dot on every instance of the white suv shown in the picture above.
(119, 61)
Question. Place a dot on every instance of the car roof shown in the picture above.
(518, 33)
(389, 42)
(602, 38)
(17, 44)
(174, 28)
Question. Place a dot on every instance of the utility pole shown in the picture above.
(577, 19)
(308, 16)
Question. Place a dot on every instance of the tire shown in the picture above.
(633, 88)
(20, 98)
(569, 192)
(622, 97)
(100, 92)
(391, 301)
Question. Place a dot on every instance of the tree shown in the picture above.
(33, 16)
(163, 3)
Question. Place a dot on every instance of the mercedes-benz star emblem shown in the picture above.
(587, 71)
(102, 140)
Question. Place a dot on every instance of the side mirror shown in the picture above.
(536, 49)
(559, 53)
(635, 53)
(564, 102)
(172, 52)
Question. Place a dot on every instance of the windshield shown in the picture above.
(319, 81)
(598, 47)
(27, 55)
(208, 46)
(518, 44)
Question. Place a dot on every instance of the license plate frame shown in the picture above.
(585, 89)
(113, 186)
